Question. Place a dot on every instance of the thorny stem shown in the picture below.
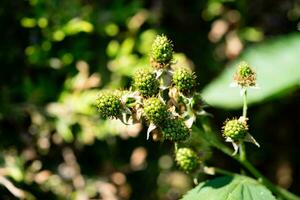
(207, 134)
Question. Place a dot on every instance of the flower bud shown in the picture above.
(187, 159)
(146, 83)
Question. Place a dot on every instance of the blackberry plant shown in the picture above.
(146, 83)
(187, 159)
(167, 101)
(109, 104)
(155, 110)
(235, 129)
(184, 79)
(245, 75)
(175, 130)
(162, 52)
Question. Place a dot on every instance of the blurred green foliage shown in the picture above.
(56, 56)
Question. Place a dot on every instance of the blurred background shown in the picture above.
(57, 54)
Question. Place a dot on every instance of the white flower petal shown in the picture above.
(250, 138)
(228, 139)
(163, 87)
(235, 147)
(234, 144)
(150, 129)
(126, 119)
(209, 170)
(195, 180)
(158, 73)
(189, 122)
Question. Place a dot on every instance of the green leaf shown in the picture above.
(230, 188)
(276, 63)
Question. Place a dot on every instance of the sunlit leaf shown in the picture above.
(229, 188)
(278, 72)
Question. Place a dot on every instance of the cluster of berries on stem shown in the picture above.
(165, 99)
(236, 130)
(161, 97)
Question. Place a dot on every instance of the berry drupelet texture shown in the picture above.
(235, 129)
(184, 79)
(146, 83)
(109, 104)
(187, 159)
(175, 130)
(155, 110)
(245, 75)
(161, 52)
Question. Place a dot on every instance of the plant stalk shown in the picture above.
(242, 151)
(245, 107)
(224, 172)
(243, 155)
(207, 135)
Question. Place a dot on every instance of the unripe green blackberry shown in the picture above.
(175, 130)
(187, 159)
(245, 75)
(109, 104)
(161, 52)
(235, 129)
(146, 83)
(184, 79)
(155, 110)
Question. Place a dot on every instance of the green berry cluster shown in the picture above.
(161, 52)
(155, 110)
(146, 83)
(164, 108)
(109, 104)
(235, 129)
(245, 75)
(184, 79)
(187, 159)
(175, 130)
